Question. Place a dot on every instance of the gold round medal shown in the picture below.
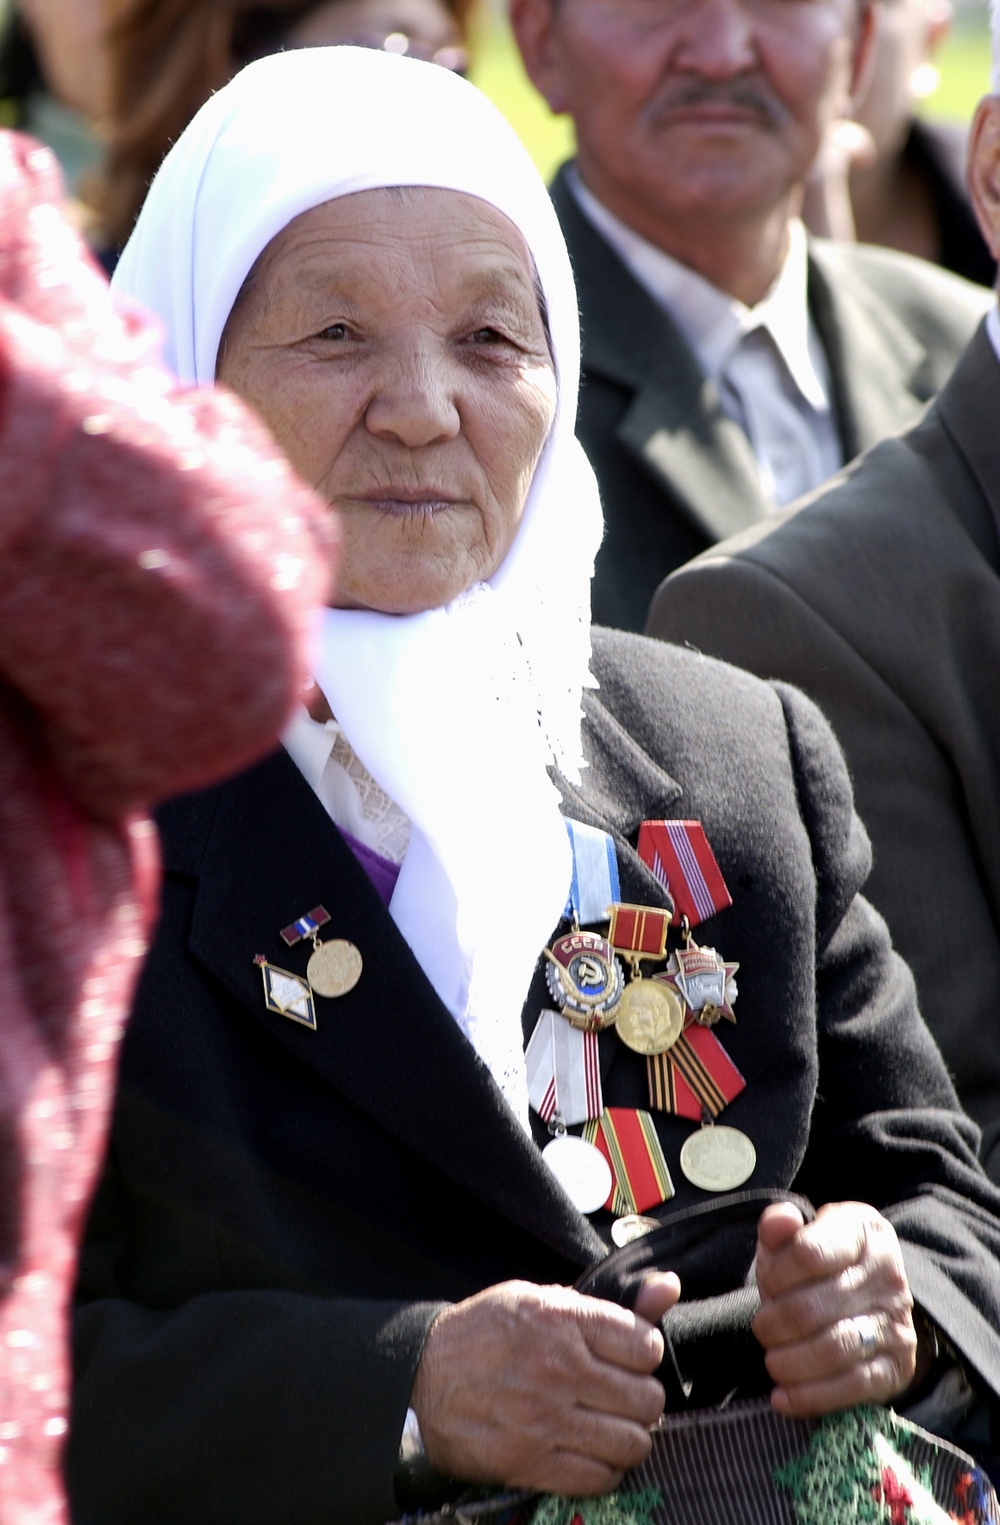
(650, 1017)
(334, 968)
(718, 1158)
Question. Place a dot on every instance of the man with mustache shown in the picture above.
(729, 365)
(880, 596)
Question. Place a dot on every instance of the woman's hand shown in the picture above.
(540, 1387)
(836, 1316)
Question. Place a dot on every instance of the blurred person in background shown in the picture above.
(53, 77)
(730, 364)
(900, 181)
(166, 57)
(160, 565)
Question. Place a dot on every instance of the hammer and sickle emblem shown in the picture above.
(589, 972)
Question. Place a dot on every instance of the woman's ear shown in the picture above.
(984, 169)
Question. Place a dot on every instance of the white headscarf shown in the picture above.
(456, 712)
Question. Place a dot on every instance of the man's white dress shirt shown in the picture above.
(767, 362)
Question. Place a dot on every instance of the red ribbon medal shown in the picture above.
(678, 854)
(696, 1078)
(629, 1143)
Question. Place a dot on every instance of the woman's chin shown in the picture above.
(413, 588)
(379, 602)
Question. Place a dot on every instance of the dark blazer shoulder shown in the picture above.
(661, 693)
(939, 308)
(715, 728)
(835, 547)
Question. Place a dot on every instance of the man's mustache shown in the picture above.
(747, 95)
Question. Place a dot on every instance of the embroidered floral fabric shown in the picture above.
(745, 1465)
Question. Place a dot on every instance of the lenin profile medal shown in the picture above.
(651, 1016)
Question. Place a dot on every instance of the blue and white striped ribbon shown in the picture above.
(595, 884)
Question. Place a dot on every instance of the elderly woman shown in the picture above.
(342, 1203)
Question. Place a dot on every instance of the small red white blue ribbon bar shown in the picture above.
(681, 859)
(305, 926)
(595, 885)
(564, 1073)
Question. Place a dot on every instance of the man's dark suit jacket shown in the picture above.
(881, 598)
(283, 1211)
(675, 473)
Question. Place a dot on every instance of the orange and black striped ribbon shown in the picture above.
(694, 1077)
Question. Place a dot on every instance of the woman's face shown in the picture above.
(393, 342)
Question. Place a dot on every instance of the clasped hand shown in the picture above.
(836, 1315)
(541, 1387)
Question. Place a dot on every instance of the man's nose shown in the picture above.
(414, 401)
(718, 38)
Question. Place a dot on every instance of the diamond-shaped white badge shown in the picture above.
(287, 994)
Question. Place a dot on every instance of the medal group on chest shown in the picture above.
(662, 1003)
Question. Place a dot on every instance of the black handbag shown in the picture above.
(711, 1354)
(721, 1455)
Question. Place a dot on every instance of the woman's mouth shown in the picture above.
(403, 502)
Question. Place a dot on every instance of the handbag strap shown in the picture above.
(703, 1334)
(662, 1247)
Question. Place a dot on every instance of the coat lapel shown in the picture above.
(435, 1095)
(622, 787)
(674, 424)
(879, 369)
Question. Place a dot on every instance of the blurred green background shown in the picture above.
(964, 63)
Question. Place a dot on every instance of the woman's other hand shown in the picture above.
(541, 1387)
(836, 1315)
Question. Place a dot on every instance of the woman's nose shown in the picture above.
(415, 402)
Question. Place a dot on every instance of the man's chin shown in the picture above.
(715, 173)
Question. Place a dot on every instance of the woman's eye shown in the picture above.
(334, 331)
(488, 336)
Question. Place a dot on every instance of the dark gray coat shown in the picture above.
(675, 473)
(283, 1210)
(881, 598)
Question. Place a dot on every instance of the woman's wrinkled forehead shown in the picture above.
(300, 252)
(299, 129)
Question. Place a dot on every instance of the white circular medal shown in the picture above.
(581, 1170)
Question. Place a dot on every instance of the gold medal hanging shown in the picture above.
(650, 1016)
(718, 1158)
(334, 967)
